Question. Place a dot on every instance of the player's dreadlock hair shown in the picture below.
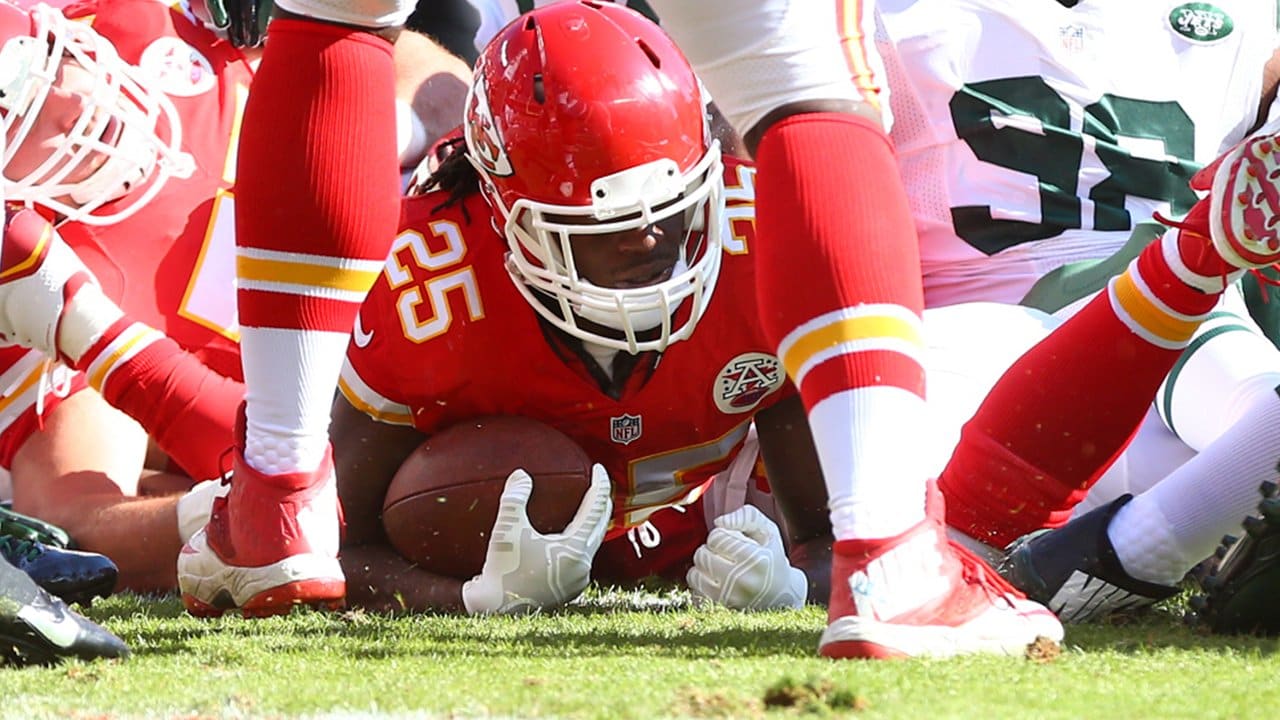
(454, 175)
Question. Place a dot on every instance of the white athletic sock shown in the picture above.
(873, 469)
(1226, 368)
(1164, 532)
(89, 314)
(289, 378)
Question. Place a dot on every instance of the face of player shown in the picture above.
(630, 259)
(62, 109)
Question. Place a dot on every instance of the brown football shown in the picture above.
(443, 501)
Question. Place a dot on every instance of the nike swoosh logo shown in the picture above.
(361, 337)
(60, 631)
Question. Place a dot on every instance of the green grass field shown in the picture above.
(623, 655)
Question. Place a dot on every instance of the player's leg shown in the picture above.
(1070, 561)
(186, 408)
(1228, 376)
(315, 216)
(50, 302)
(1220, 398)
(80, 471)
(1065, 410)
(830, 209)
(86, 479)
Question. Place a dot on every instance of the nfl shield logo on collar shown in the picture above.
(625, 429)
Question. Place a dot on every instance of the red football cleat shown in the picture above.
(918, 594)
(1245, 203)
(270, 544)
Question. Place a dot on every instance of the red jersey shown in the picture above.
(444, 336)
(170, 265)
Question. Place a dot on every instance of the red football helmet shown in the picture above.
(588, 110)
(121, 118)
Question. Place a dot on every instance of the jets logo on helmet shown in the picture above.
(483, 141)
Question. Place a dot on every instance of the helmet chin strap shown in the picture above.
(122, 173)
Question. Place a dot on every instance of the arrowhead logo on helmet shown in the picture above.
(481, 133)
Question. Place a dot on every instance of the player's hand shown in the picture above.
(744, 566)
(244, 21)
(363, 13)
(525, 570)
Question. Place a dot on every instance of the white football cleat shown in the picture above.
(39, 274)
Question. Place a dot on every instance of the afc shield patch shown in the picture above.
(745, 381)
(177, 68)
(625, 429)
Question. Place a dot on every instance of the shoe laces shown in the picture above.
(1192, 228)
(19, 550)
(45, 383)
(975, 571)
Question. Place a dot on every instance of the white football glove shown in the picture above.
(525, 570)
(364, 13)
(744, 566)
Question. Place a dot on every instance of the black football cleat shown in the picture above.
(74, 576)
(29, 528)
(1073, 570)
(37, 628)
(1240, 593)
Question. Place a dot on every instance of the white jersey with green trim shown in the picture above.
(1031, 134)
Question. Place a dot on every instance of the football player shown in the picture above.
(801, 81)
(1023, 149)
(141, 110)
(616, 253)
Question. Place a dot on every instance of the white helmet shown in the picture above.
(124, 118)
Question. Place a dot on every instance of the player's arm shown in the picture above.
(366, 455)
(795, 479)
(1270, 83)
(431, 90)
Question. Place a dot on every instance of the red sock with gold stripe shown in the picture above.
(1063, 412)
(187, 408)
(839, 276)
(317, 205)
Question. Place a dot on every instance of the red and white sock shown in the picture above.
(187, 408)
(312, 235)
(85, 319)
(849, 335)
(1063, 412)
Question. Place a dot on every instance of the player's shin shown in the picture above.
(849, 336)
(315, 216)
(1065, 410)
(187, 408)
